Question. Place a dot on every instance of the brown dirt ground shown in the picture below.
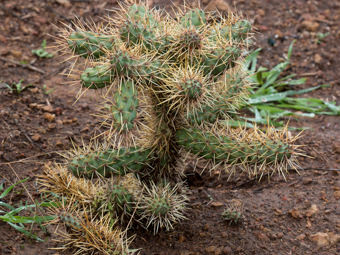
(38, 124)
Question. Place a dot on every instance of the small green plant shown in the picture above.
(17, 88)
(46, 90)
(10, 213)
(320, 36)
(41, 52)
(233, 212)
(272, 95)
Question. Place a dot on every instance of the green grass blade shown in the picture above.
(26, 219)
(24, 231)
(290, 50)
(237, 123)
(5, 193)
(8, 206)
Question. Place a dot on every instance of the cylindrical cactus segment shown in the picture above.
(190, 39)
(124, 64)
(236, 32)
(139, 27)
(96, 77)
(162, 206)
(206, 113)
(219, 60)
(90, 44)
(191, 88)
(124, 109)
(195, 17)
(120, 199)
(111, 162)
(221, 148)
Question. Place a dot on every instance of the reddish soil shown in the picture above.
(277, 217)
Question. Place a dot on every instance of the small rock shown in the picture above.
(325, 239)
(211, 249)
(51, 126)
(49, 117)
(224, 234)
(3, 39)
(59, 143)
(337, 194)
(336, 148)
(187, 253)
(301, 237)
(277, 212)
(181, 238)
(65, 3)
(308, 223)
(310, 25)
(261, 12)
(60, 122)
(218, 251)
(67, 121)
(317, 58)
(34, 90)
(312, 210)
(36, 137)
(320, 238)
(216, 204)
(58, 111)
(307, 180)
(295, 213)
(16, 53)
(227, 250)
(262, 236)
(202, 234)
(279, 235)
(333, 238)
(220, 5)
(47, 108)
(206, 227)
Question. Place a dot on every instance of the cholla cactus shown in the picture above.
(233, 212)
(168, 83)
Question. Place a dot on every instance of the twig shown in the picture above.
(290, 169)
(28, 193)
(28, 66)
(324, 21)
(309, 74)
(26, 159)
(319, 169)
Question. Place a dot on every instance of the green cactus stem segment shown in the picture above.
(194, 18)
(223, 148)
(190, 40)
(237, 31)
(121, 198)
(191, 88)
(111, 162)
(96, 77)
(206, 113)
(139, 27)
(125, 65)
(160, 206)
(90, 44)
(219, 60)
(124, 110)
